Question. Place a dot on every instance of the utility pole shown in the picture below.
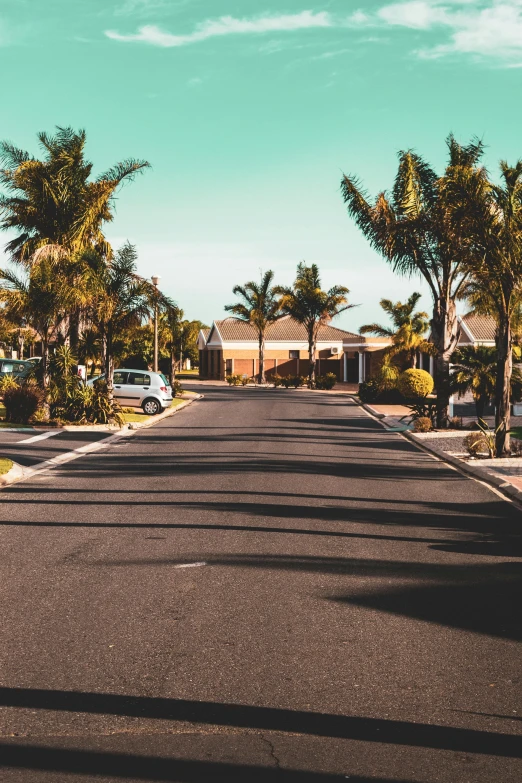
(155, 280)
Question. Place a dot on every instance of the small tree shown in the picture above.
(122, 298)
(39, 297)
(474, 370)
(409, 328)
(260, 307)
(308, 304)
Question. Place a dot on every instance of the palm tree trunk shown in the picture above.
(445, 331)
(74, 332)
(480, 405)
(262, 378)
(503, 386)
(311, 358)
(45, 360)
(109, 366)
(172, 363)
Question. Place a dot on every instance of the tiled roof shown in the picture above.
(206, 332)
(286, 329)
(482, 327)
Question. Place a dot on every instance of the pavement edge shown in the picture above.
(23, 473)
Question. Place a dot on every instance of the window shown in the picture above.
(138, 379)
(294, 355)
(120, 377)
(7, 367)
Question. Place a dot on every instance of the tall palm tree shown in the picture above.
(54, 206)
(409, 328)
(491, 215)
(308, 304)
(172, 318)
(40, 298)
(260, 306)
(412, 229)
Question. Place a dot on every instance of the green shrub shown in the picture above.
(22, 402)
(8, 382)
(475, 443)
(422, 424)
(233, 380)
(369, 391)
(293, 380)
(276, 380)
(423, 409)
(327, 381)
(177, 389)
(415, 384)
(83, 404)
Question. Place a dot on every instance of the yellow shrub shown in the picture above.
(414, 384)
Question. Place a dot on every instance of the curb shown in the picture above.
(499, 483)
(15, 474)
(69, 456)
(165, 415)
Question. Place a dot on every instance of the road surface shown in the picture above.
(266, 587)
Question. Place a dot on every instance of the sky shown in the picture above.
(249, 114)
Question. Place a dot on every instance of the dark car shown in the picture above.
(18, 368)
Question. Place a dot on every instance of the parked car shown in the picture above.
(140, 389)
(18, 368)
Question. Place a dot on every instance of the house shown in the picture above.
(231, 346)
(477, 330)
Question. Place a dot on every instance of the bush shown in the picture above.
(177, 389)
(455, 423)
(415, 384)
(369, 391)
(8, 382)
(276, 380)
(475, 443)
(293, 380)
(422, 424)
(327, 381)
(423, 409)
(83, 404)
(233, 380)
(22, 402)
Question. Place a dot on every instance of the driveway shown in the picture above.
(267, 587)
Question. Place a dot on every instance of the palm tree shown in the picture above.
(39, 297)
(474, 370)
(121, 299)
(412, 229)
(409, 327)
(260, 307)
(54, 206)
(172, 318)
(492, 217)
(308, 304)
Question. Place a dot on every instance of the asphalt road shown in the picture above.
(32, 447)
(266, 587)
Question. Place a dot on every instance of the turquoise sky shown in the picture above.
(249, 114)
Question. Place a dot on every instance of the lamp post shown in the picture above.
(21, 338)
(155, 280)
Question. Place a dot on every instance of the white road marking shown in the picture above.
(43, 436)
(190, 565)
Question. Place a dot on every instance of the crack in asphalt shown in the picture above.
(272, 750)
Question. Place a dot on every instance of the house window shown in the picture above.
(294, 355)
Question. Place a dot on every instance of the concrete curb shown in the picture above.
(498, 482)
(169, 412)
(15, 474)
(69, 456)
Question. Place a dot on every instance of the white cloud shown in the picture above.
(416, 14)
(486, 28)
(227, 25)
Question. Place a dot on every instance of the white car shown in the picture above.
(140, 389)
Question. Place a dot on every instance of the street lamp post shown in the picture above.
(155, 280)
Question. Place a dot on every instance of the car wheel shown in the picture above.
(151, 407)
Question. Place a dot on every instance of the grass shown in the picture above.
(5, 465)
(516, 432)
